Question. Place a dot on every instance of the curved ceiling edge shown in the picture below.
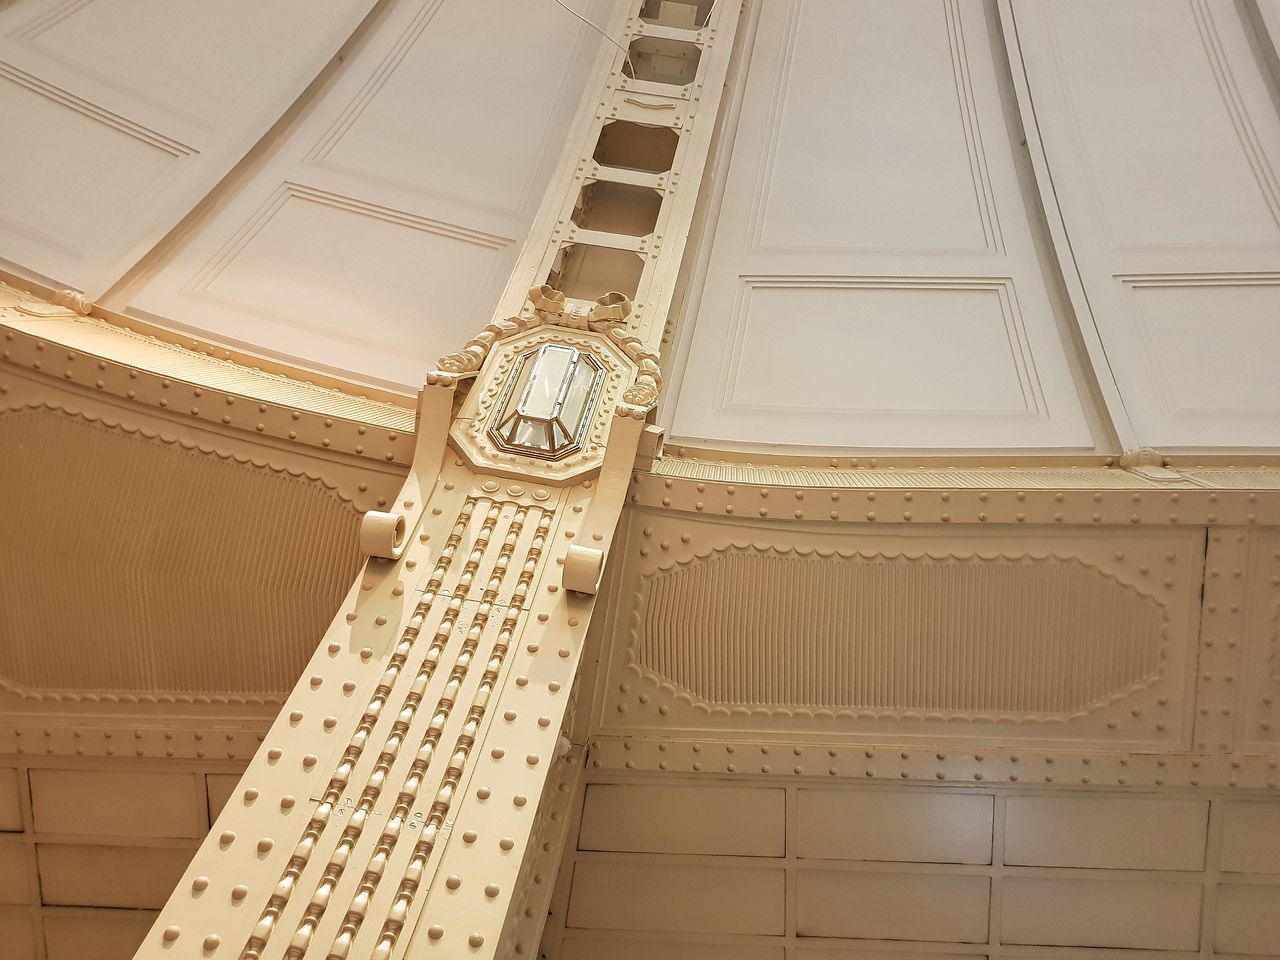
(174, 379)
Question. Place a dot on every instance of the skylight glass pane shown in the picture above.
(551, 368)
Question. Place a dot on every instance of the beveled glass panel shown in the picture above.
(552, 368)
(581, 385)
(548, 401)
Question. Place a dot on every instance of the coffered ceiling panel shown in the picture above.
(377, 233)
(1161, 135)
(874, 279)
(120, 115)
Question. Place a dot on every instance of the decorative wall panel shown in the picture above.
(117, 601)
(378, 232)
(873, 248)
(1162, 140)
(903, 612)
(123, 114)
(736, 627)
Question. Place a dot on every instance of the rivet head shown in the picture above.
(506, 843)
(199, 884)
(453, 882)
(491, 890)
(435, 931)
(239, 892)
(227, 837)
(469, 837)
(475, 940)
(171, 933)
(212, 942)
(265, 845)
(287, 802)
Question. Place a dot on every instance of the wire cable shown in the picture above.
(625, 53)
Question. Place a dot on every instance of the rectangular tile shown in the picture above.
(118, 803)
(1250, 838)
(18, 933)
(892, 906)
(743, 821)
(96, 876)
(1247, 919)
(10, 807)
(598, 948)
(1138, 914)
(219, 787)
(15, 880)
(912, 826)
(96, 934)
(1108, 832)
(660, 897)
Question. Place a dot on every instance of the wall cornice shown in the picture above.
(66, 345)
(1088, 496)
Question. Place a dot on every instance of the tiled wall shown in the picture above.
(89, 851)
(763, 871)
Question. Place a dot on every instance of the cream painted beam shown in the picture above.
(410, 799)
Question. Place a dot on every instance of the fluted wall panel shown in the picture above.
(1031, 634)
(196, 573)
(923, 630)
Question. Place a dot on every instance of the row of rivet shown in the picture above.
(1188, 506)
(114, 378)
(363, 809)
(338, 782)
(891, 762)
(408, 794)
(399, 911)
